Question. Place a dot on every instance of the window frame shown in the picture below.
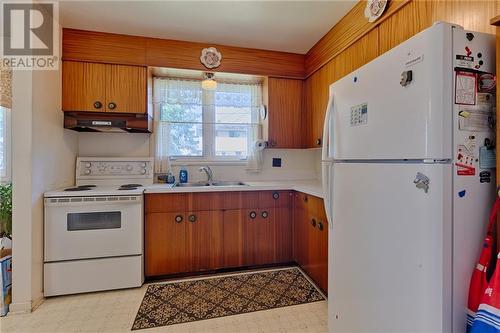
(209, 136)
(6, 175)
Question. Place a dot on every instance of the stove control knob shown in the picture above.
(143, 164)
(143, 171)
(88, 165)
(129, 167)
(87, 172)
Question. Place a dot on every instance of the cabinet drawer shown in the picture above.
(166, 202)
(266, 199)
(175, 202)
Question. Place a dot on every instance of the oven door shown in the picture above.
(93, 227)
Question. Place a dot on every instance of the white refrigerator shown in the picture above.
(408, 175)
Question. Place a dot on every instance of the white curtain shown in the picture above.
(230, 104)
(170, 91)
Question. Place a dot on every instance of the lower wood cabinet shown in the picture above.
(180, 242)
(165, 245)
(233, 249)
(281, 227)
(223, 237)
(259, 237)
(310, 229)
(204, 243)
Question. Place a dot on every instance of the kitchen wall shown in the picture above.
(353, 42)
(43, 158)
(296, 163)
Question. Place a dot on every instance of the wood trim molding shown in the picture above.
(352, 27)
(103, 47)
(93, 46)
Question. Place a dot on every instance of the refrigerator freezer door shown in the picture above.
(390, 248)
(398, 106)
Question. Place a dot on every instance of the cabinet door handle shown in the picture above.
(264, 214)
(192, 218)
(97, 105)
(313, 223)
(252, 215)
(112, 105)
(276, 195)
(318, 142)
(179, 218)
(320, 226)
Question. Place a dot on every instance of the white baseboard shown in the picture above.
(25, 307)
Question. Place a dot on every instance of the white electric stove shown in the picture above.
(94, 230)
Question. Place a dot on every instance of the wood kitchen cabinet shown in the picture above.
(204, 244)
(95, 87)
(233, 230)
(180, 242)
(310, 234)
(285, 113)
(214, 230)
(259, 237)
(165, 246)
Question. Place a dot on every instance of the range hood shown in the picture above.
(108, 122)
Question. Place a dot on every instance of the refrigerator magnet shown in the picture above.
(487, 158)
(465, 88)
(465, 170)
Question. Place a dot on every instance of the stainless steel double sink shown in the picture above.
(215, 183)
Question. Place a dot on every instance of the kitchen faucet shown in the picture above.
(208, 171)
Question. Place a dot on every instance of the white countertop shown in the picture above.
(311, 187)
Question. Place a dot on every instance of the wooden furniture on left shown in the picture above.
(96, 87)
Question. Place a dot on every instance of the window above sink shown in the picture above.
(198, 125)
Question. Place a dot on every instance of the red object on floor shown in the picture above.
(479, 281)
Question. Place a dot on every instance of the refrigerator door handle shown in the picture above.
(326, 162)
(326, 130)
(327, 189)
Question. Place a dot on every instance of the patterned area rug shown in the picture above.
(186, 301)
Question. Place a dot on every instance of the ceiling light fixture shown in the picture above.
(208, 82)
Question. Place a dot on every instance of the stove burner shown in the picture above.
(127, 188)
(90, 186)
(78, 188)
(130, 185)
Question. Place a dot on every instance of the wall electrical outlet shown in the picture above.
(276, 162)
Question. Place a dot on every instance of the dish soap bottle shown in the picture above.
(183, 175)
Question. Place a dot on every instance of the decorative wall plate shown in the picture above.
(210, 57)
(374, 9)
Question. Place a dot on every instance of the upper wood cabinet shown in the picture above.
(285, 113)
(95, 87)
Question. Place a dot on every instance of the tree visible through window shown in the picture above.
(204, 124)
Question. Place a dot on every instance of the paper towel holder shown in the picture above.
(263, 112)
